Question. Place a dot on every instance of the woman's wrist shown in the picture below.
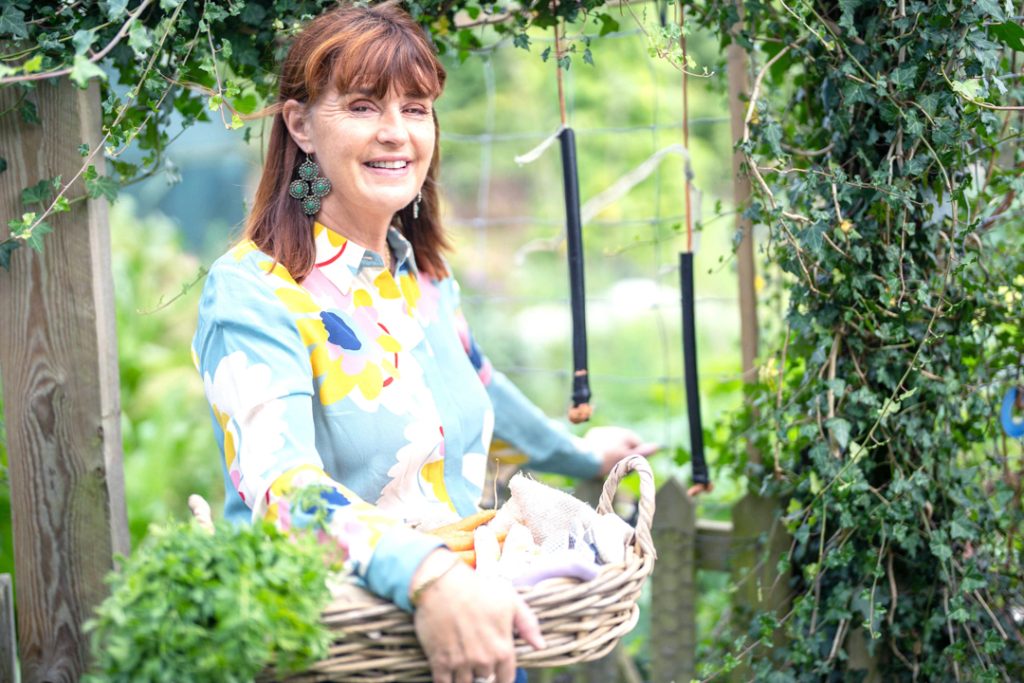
(434, 567)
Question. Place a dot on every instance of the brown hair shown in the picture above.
(350, 48)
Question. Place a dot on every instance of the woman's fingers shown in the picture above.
(648, 448)
(505, 671)
(465, 625)
(526, 624)
(440, 674)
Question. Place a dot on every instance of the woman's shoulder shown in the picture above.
(246, 266)
(241, 259)
(244, 277)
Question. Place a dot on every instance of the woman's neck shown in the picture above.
(370, 232)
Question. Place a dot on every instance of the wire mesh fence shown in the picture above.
(509, 223)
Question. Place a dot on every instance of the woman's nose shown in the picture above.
(392, 128)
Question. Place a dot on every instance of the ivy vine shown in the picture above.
(884, 142)
(194, 61)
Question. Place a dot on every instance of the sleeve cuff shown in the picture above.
(396, 557)
(580, 464)
(548, 445)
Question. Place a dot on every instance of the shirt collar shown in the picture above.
(340, 259)
(401, 249)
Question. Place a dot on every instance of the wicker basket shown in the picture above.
(376, 643)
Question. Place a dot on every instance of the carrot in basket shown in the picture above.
(468, 556)
(466, 523)
(460, 540)
(456, 540)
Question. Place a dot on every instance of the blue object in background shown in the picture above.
(1013, 428)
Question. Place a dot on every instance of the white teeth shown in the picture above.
(387, 164)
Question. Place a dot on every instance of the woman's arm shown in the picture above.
(258, 379)
(548, 446)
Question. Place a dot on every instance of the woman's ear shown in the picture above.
(294, 114)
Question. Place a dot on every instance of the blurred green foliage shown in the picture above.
(169, 449)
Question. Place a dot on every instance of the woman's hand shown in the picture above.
(466, 623)
(613, 444)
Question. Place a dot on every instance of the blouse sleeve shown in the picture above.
(548, 446)
(258, 379)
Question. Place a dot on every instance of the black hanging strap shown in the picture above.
(580, 411)
(700, 467)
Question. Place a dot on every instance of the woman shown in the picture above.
(334, 352)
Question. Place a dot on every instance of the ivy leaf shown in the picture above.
(840, 430)
(888, 408)
(140, 38)
(7, 247)
(990, 8)
(83, 40)
(28, 111)
(12, 23)
(35, 237)
(102, 186)
(856, 451)
(116, 9)
(608, 24)
(38, 193)
(903, 77)
(1009, 34)
(246, 104)
(846, 19)
(971, 88)
(82, 71)
(941, 550)
(33, 65)
(959, 529)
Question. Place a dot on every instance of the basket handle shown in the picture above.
(638, 464)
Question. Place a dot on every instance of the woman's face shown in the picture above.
(375, 151)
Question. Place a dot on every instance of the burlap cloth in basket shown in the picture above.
(375, 641)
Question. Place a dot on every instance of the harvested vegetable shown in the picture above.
(488, 550)
(466, 523)
(456, 540)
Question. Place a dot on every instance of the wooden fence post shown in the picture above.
(673, 638)
(759, 539)
(58, 359)
(8, 645)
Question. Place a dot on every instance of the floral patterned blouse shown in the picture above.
(367, 384)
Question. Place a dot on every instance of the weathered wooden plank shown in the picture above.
(58, 359)
(8, 645)
(714, 540)
(759, 539)
(673, 639)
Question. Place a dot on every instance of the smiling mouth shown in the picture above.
(387, 164)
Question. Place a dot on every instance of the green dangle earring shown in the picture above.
(311, 187)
